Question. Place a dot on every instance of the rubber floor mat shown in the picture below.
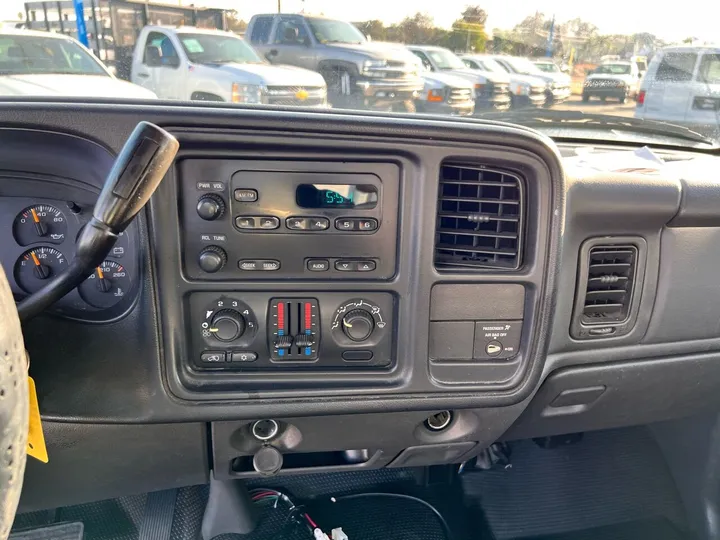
(659, 529)
(59, 531)
(609, 477)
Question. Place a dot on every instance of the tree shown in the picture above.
(234, 22)
(418, 29)
(474, 14)
(374, 29)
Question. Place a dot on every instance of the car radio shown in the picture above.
(246, 220)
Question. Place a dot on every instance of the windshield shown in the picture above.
(38, 55)
(329, 31)
(217, 49)
(522, 66)
(445, 59)
(547, 68)
(613, 69)
(553, 58)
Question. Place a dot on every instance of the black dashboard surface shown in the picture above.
(245, 304)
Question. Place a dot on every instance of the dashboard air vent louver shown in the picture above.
(479, 218)
(611, 276)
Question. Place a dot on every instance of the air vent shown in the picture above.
(480, 218)
(611, 275)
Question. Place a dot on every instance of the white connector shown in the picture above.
(338, 534)
(319, 535)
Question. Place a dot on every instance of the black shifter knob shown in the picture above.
(358, 324)
(210, 207)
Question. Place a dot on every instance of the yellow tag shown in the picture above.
(36, 440)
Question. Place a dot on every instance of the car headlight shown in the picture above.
(370, 65)
(521, 90)
(246, 93)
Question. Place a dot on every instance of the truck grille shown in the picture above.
(307, 96)
(501, 88)
(603, 83)
(537, 90)
(460, 95)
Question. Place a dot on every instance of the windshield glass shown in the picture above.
(613, 69)
(445, 59)
(217, 49)
(36, 55)
(547, 68)
(550, 64)
(522, 66)
(329, 31)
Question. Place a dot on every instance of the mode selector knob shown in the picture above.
(210, 207)
(358, 324)
(212, 259)
(227, 325)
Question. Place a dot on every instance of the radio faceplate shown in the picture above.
(246, 220)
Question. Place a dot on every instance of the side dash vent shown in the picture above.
(479, 218)
(609, 282)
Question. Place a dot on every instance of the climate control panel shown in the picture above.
(267, 332)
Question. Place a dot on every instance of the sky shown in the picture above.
(695, 18)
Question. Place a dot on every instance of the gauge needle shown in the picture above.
(40, 271)
(103, 284)
(39, 227)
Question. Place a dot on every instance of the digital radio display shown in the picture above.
(360, 196)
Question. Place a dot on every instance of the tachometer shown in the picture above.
(40, 223)
(35, 267)
(106, 286)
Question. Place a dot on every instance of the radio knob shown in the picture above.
(212, 259)
(358, 324)
(210, 207)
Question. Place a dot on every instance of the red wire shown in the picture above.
(264, 494)
(311, 522)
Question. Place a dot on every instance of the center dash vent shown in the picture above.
(611, 274)
(479, 218)
(610, 279)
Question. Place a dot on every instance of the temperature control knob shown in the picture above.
(212, 259)
(210, 207)
(358, 324)
(227, 325)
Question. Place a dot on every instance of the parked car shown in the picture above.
(492, 90)
(557, 87)
(359, 73)
(525, 90)
(547, 65)
(45, 64)
(682, 86)
(445, 94)
(618, 79)
(209, 65)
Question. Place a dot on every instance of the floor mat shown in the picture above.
(60, 531)
(609, 477)
(659, 529)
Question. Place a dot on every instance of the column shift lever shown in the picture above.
(136, 173)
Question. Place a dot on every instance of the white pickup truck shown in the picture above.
(209, 65)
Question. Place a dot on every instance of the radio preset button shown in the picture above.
(345, 224)
(318, 265)
(245, 222)
(245, 195)
(296, 223)
(366, 224)
(269, 222)
(319, 223)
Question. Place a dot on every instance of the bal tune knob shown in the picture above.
(212, 259)
(210, 207)
(227, 325)
(358, 324)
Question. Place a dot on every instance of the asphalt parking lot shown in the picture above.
(610, 106)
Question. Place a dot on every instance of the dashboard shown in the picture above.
(353, 279)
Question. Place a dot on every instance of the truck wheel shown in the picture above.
(586, 98)
(205, 96)
(623, 98)
(338, 81)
